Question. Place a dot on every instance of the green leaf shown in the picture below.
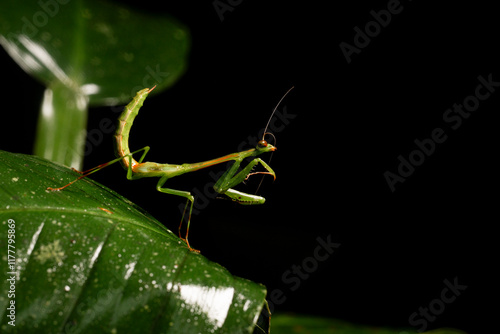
(88, 260)
(88, 53)
(299, 324)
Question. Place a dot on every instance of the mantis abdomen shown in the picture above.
(125, 122)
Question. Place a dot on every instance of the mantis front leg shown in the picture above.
(229, 180)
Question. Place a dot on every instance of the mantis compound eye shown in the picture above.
(262, 144)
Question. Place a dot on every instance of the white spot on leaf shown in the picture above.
(50, 252)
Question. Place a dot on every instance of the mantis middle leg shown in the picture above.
(189, 197)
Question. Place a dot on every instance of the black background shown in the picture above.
(352, 121)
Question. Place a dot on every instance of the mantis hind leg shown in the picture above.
(189, 201)
(127, 156)
(130, 173)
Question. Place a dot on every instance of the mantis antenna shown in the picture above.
(265, 130)
(274, 110)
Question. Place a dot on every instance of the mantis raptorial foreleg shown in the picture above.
(229, 180)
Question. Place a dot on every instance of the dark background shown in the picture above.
(351, 123)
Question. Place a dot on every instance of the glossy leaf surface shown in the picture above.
(88, 260)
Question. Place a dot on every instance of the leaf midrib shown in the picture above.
(118, 218)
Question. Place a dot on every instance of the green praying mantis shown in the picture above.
(139, 169)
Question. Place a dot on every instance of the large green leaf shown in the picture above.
(88, 52)
(89, 261)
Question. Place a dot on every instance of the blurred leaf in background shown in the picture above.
(88, 53)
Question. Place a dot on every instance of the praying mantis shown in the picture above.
(139, 169)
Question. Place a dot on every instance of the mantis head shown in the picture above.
(263, 147)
